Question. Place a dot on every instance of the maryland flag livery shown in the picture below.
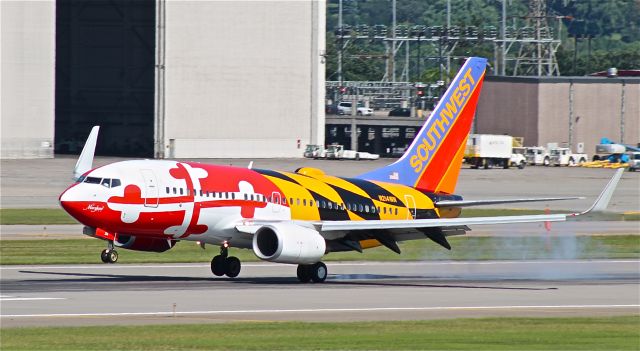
(293, 217)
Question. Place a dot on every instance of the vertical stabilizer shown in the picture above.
(85, 161)
(433, 160)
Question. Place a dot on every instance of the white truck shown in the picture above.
(488, 150)
(562, 156)
(634, 161)
(537, 156)
(337, 152)
(315, 151)
(344, 108)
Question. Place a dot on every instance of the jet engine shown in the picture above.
(288, 243)
(141, 243)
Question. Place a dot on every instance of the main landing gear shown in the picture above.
(316, 272)
(224, 264)
(109, 255)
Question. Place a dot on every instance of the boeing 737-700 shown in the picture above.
(293, 217)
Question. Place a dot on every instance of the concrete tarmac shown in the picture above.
(356, 291)
(38, 183)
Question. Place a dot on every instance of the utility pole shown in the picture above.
(392, 65)
(341, 42)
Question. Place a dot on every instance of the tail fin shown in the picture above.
(85, 161)
(433, 160)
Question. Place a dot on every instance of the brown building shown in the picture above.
(563, 110)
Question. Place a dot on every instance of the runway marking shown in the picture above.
(3, 299)
(373, 263)
(320, 310)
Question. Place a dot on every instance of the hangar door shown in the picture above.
(105, 56)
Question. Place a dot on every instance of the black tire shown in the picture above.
(571, 162)
(546, 162)
(521, 165)
(303, 272)
(113, 256)
(218, 266)
(485, 163)
(357, 157)
(505, 164)
(233, 267)
(318, 272)
(596, 158)
(104, 257)
(582, 160)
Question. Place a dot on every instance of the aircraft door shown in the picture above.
(151, 191)
(275, 200)
(411, 206)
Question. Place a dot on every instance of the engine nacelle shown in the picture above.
(142, 243)
(288, 243)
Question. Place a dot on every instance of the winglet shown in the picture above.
(85, 161)
(601, 203)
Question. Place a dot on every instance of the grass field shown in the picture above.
(58, 216)
(87, 250)
(602, 333)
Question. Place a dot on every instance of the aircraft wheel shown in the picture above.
(318, 272)
(109, 256)
(218, 266)
(304, 273)
(104, 256)
(233, 266)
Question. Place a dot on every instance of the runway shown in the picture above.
(360, 291)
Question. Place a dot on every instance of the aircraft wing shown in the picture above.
(599, 205)
(467, 203)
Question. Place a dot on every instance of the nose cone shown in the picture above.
(71, 202)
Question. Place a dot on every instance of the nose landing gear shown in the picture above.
(109, 255)
(224, 264)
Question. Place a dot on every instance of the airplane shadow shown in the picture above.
(88, 281)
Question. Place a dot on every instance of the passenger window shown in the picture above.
(200, 192)
(366, 208)
(396, 211)
(233, 196)
(180, 191)
(167, 190)
(291, 201)
(304, 202)
(360, 207)
(174, 191)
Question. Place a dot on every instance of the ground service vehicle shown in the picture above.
(562, 156)
(488, 150)
(537, 156)
(315, 151)
(293, 217)
(338, 152)
(634, 161)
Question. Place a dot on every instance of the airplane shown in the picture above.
(294, 217)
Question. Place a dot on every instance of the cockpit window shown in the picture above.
(93, 180)
(106, 182)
